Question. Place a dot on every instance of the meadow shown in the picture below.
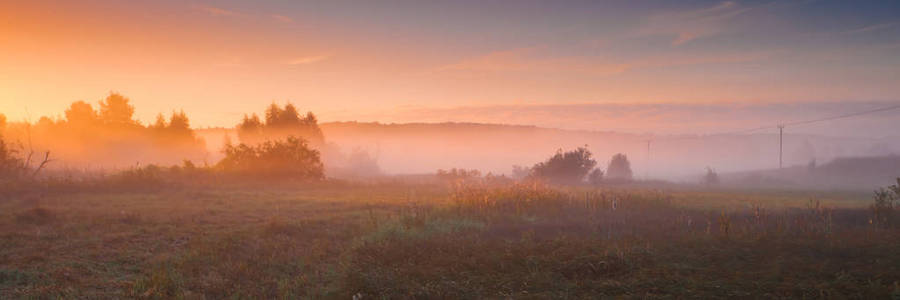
(464, 239)
(504, 149)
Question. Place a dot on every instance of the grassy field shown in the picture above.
(445, 241)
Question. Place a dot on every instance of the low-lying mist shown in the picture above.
(108, 138)
(745, 159)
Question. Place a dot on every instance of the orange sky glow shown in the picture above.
(357, 61)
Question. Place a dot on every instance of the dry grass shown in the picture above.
(420, 241)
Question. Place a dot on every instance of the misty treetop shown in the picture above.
(108, 136)
(280, 122)
(619, 168)
(116, 110)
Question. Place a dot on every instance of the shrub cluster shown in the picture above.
(884, 212)
(573, 167)
(288, 158)
(566, 167)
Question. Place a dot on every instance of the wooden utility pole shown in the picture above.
(780, 145)
(647, 169)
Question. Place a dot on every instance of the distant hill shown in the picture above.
(841, 173)
(412, 148)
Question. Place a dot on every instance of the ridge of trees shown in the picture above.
(280, 122)
(108, 135)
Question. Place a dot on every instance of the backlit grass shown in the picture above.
(436, 241)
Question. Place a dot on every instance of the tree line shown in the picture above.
(106, 136)
(109, 136)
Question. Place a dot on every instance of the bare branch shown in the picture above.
(43, 163)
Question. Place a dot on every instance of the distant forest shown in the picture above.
(108, 136)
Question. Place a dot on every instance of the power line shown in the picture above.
(780, 145)
(745, 130)
(797, 123)
(781, 127)
(842, 116)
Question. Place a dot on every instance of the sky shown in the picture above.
(546, 63)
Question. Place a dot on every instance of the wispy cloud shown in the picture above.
(497, 61)
(307, 60)
(686, 26)
(282, 19)
(870, 28)
(215, 11)
(685, 60)
(530, 59)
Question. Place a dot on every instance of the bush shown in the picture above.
(520, 172)
(883, 213)
(711, 176)
(289, 158)
(457, 174)
(566, 167)
(11, 166)
(619, 168)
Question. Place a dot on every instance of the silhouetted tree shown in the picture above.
(45, 123)
(619, 168)
(81, 113)
(250, 129)
(109, 136)
(711, 176)
(289, 116)
(280, 123)
(160, 124)
(310, 119)
(274, 115)
(179, 123)
(565, 167)
(116, 110)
